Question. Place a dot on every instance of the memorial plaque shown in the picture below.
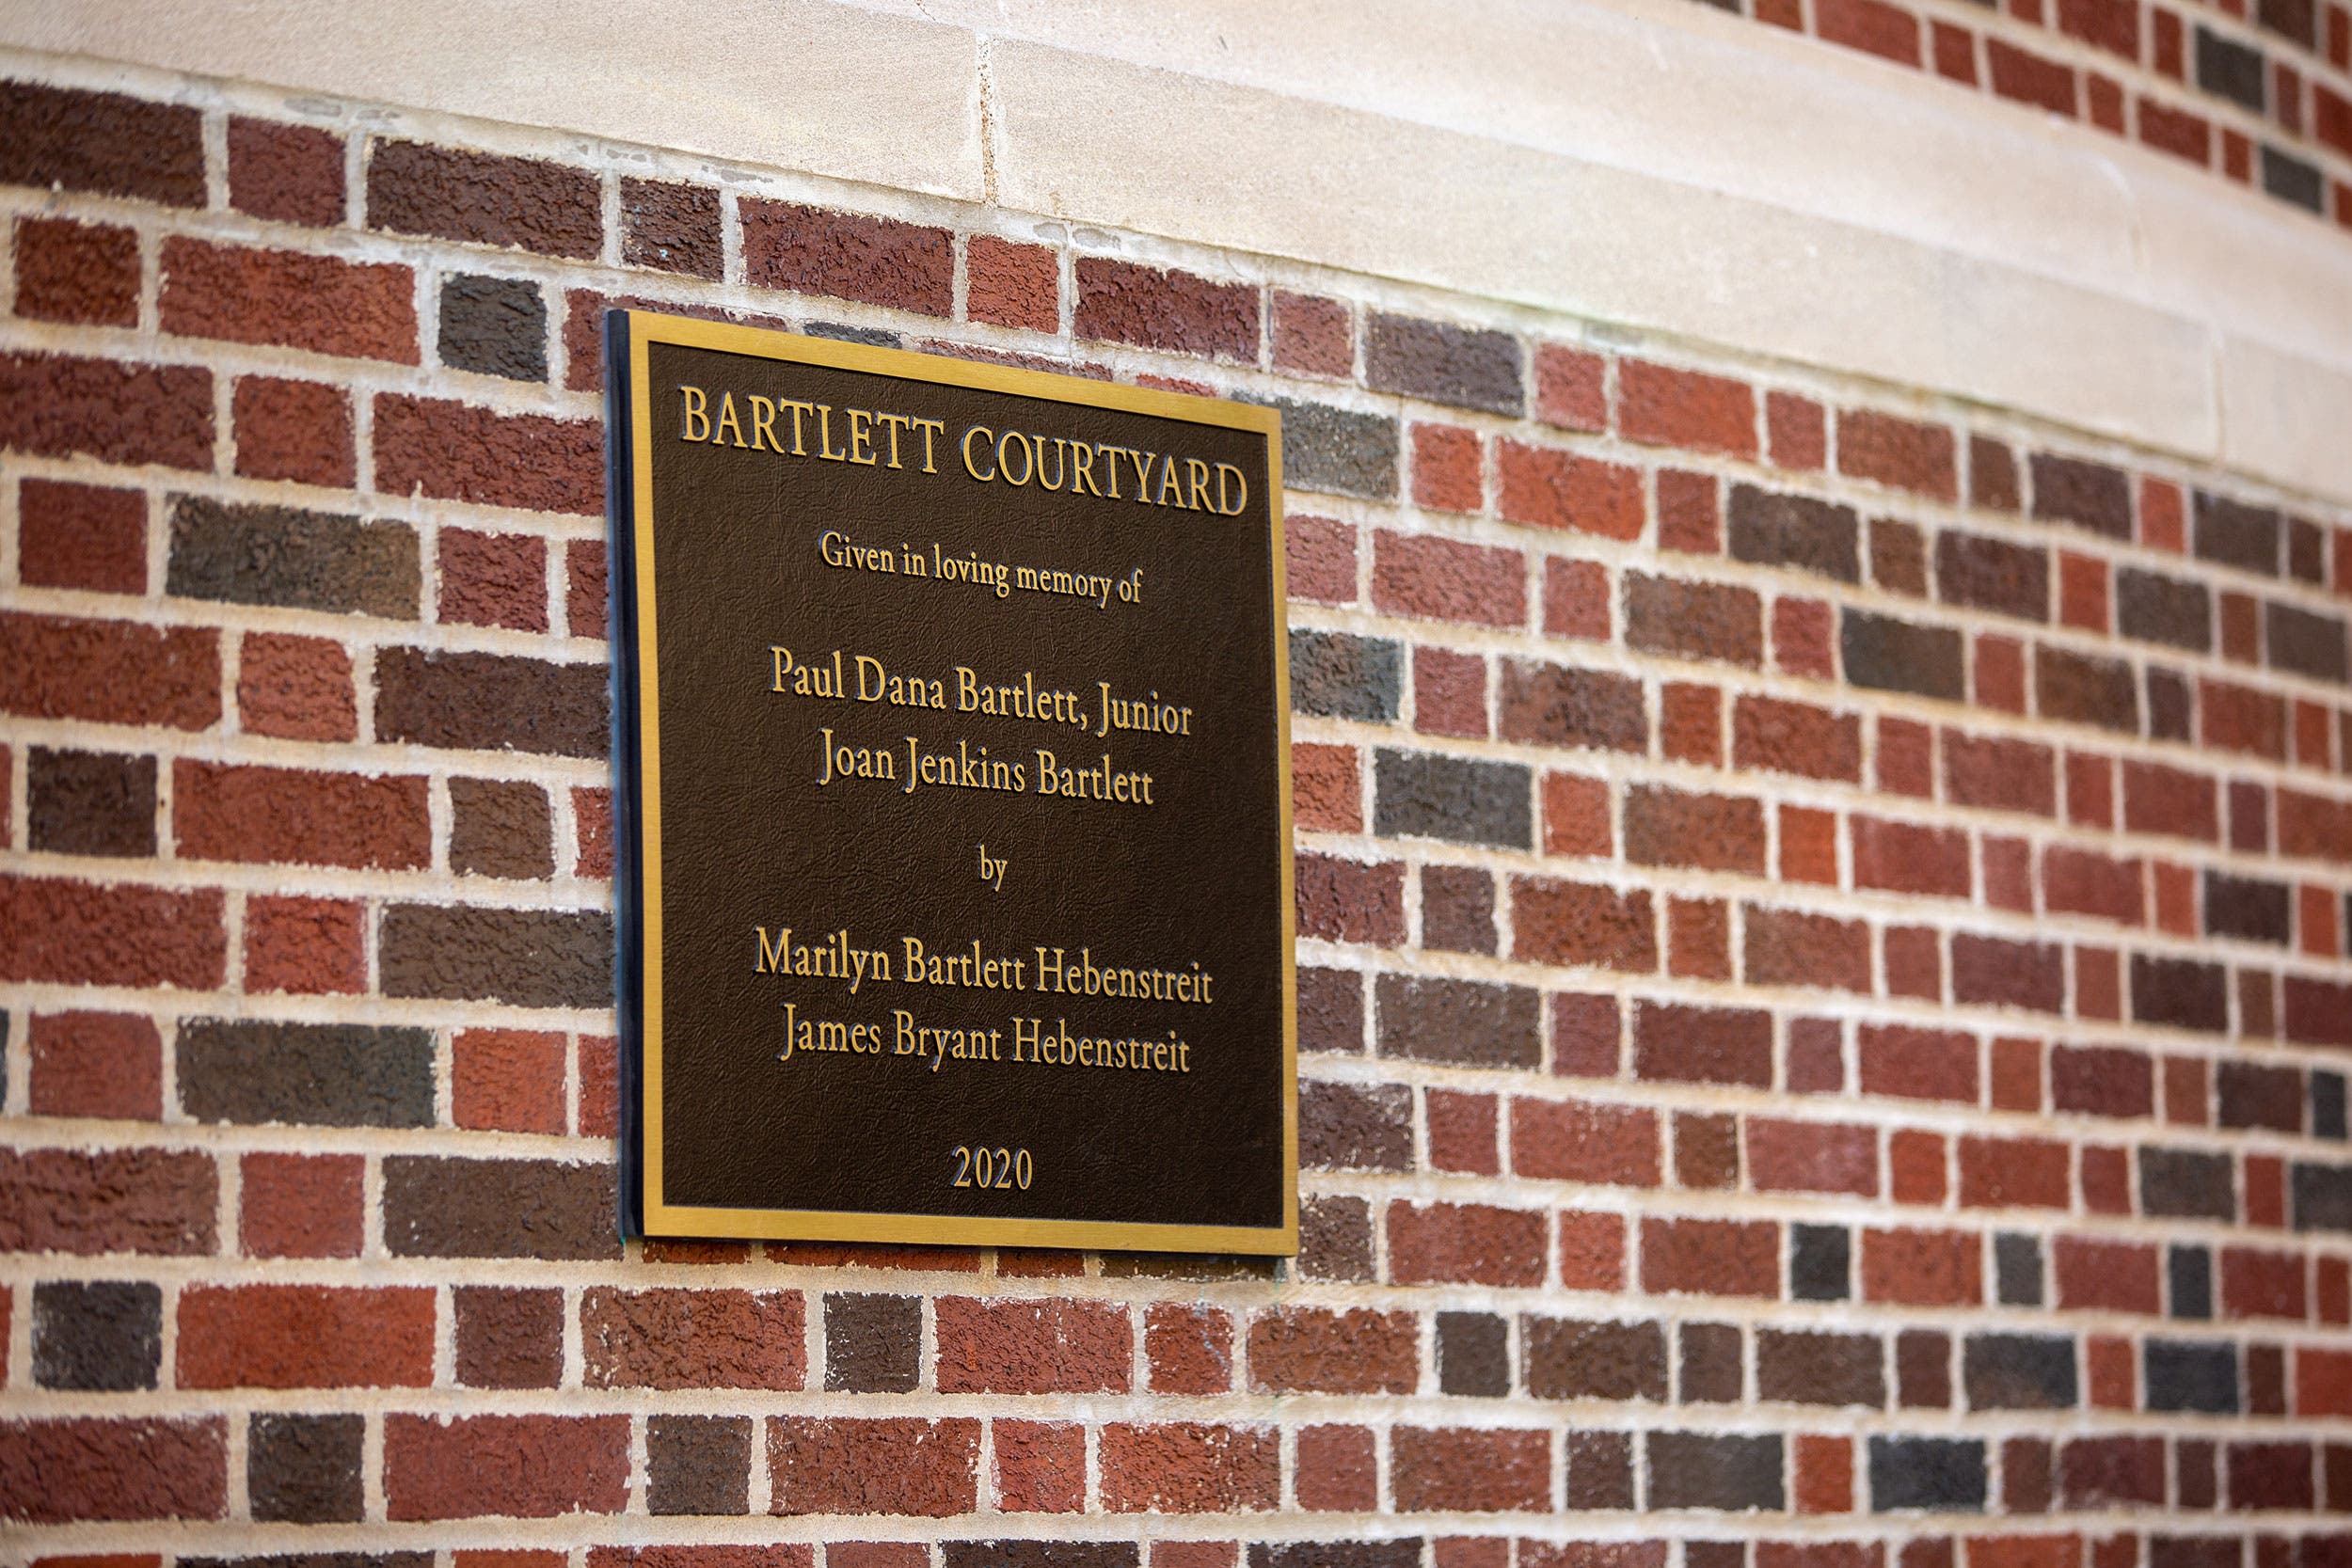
(952, 801)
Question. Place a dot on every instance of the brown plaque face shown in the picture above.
(953, 799)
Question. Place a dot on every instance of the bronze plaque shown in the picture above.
(952, 801)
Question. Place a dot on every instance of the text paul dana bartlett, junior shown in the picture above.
(877, 438)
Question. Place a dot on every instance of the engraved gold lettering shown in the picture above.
(799, 408)
(1241, 490)
(694, 411)
(1009, 442)
(972, 468)
(929, 428)
(1082, 469)
(1168, 483)
(897, 423)
(861, 436)
(764, 425)
(825, 435)
(1141, 463)
(1061, 461)
(1197, 484)
(727, 422)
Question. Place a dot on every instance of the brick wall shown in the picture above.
(1823, 965)
(2258, 93)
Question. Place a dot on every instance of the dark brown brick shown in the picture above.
(698, 1465)
(499, 830)
(1693, 619)
(1180, 312)
(1457, 909)
(305, 1469)
(254, 1073)
(469, 1208)
(96, 1336)
(1466, 1021)
(525, 958)
(810, 251)
(1354, 1126)
(2251, 1094)
(2158, 609)
(1444, 363)
(1676, 1043)
(483, 198)
(2234, 534)
(292, 559)
(671, 227)
(2305, 643)
(2093, 495)
(1794, 1368)
(1459, 799)
(2181, 992)
(1710, 1369)
(490, 702)
(508, 1337)
(286, 173)
(1992, 574)
(493, 326)
(90, 802)
(2084, 689)
(1990, 971)
(102, 142)
(55, 405)
(1900, 655)
(873, 1343)
(1774, 529)
(1567, 1360)
(1690, 1469)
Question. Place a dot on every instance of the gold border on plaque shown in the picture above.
(663, 1218)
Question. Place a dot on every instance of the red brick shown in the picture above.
(1344, 900)
(450, 451)
(2311, 827)
(1545, 487)
(1576, 599)
(1824, 1475)
(146, 1200)
(1798, 430)
(294, 430)
(1710, 1257)
(1189, 1348)
(1576, 1140)
(1571, 388)
(55, 405)
(1872, 26)
(2104, 1276)
(1812, 1157)
(63, 1470)
(508, 1466)
(1446, 579)
(1710, 832)
(585, 592)
(1460, 1470)
(1788, 947)
(1447, 463)
(1999, 681)
(507, 1080)
(1592, 1251)
(2260, 1284)
(1321, 558)
(2000, 774)
(2083, 591)
(1698, 938)
(1032, 1347)
(1808, 846)
(1906, 857)
(1901, 452)
(309, 945)
(296, 688)
(116, 672)
(494, 579)
(780, 1555)
(1009, 284)
(1313, 336)
(592, 812)
(1663, 405)
(1571, 922)
(1690, 513)
(1189, 1467)
(1314, 1350)
(1178, 311)
(1041, 1467)
(2232, 717)
(289, 299)
(288, 816)
(1676, 1043)
(1912, 959)
(305, 1336)
(80, 536)
(1955, 53)
(1918, 1064)
(1691, 723)
(300, 1205)
(1449, 692)
(1462, 1133)
(90, 1064)
(2323, 1382)
(692, 1338)
(1923, 1268)
(82, 274)
(1338, 1471)
(1465, 1244)
(1986, 970)
(1796, 738)
(483, 198)
(1916, 1164)
(600, 1066)
(105, 142)
(2102, 1080)
(1802, 638)
(2030, 78)
(77, 933)
(288, 173)
(2015, 1173)
(2082, 881)
(1326, 789)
